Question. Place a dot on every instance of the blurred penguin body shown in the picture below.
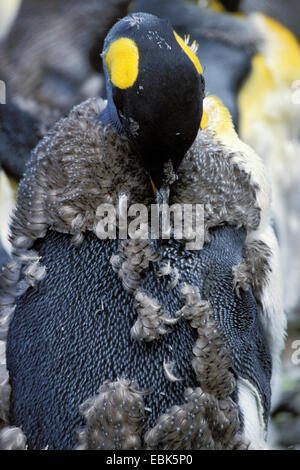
(20, 132)
(111, 319)
(22, 125)
(287, 12)
(269, 122)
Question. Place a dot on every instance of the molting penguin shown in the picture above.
(134, 343)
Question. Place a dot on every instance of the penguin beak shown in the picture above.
(153, 186)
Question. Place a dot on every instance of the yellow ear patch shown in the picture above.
(189, 53)
(122, 62)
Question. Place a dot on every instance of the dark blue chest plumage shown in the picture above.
(72, 333)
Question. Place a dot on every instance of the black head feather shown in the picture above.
(160, 109)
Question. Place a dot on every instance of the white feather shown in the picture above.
(8, 12)
(252, 410)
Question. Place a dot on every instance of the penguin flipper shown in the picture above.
(238, 316)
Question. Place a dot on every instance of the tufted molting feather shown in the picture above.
(114, 418)
(253, 269)
(152, 321)
(212, 361)
(12, 438)
(165, 269)
(202, 422)
(133, 258)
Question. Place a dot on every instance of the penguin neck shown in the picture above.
(162, 195)
(109, 117)
(162, 202)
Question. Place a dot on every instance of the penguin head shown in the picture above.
(155, 91)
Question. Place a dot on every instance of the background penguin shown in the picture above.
(33, 83)
(8, 13)
(287, 12)
(67, 317)
(40, 85)
(268, 116)
(269, 113)
(49, 54)
(269, 122)
(20, 132)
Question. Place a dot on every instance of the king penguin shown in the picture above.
(137, 342)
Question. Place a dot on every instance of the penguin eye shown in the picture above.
(202, 85)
